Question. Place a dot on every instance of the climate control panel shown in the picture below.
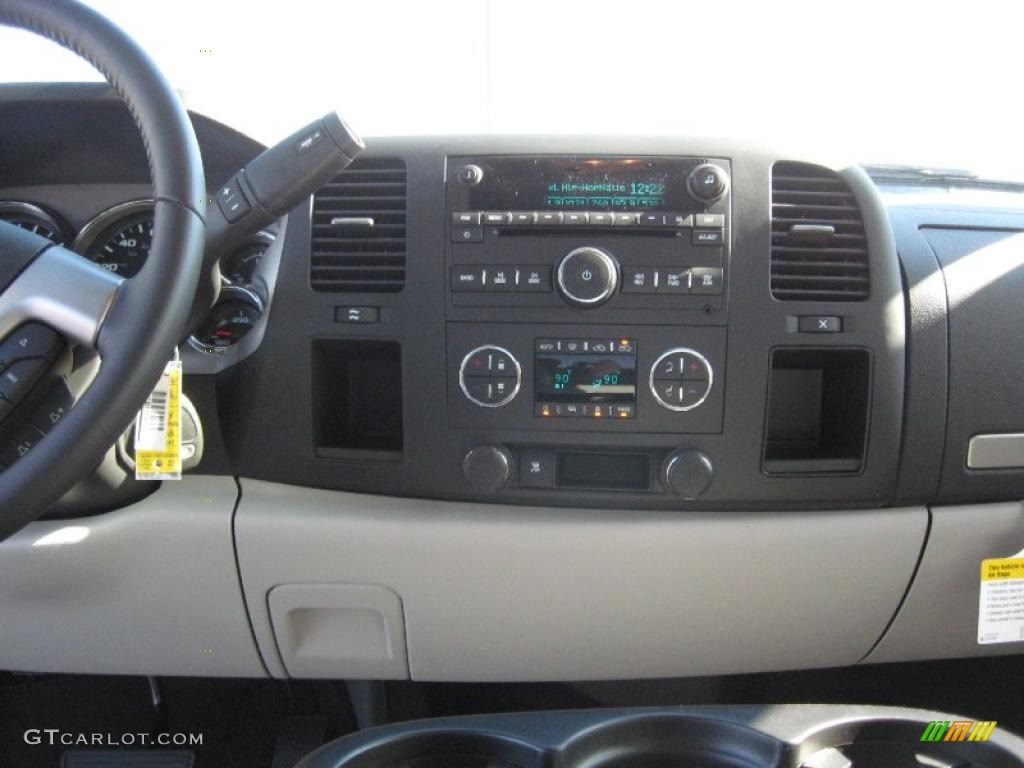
(533, 377)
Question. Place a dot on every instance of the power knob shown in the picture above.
(687, 474)
(708, 182)
(487, 468)
(588, 277)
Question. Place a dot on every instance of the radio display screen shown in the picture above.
(583, 183)
(605, 373)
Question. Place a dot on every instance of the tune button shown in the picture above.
(490, 376)
(681, 379)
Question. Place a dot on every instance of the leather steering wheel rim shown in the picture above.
(141, 324)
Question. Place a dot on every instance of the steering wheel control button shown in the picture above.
(19, 443)
(687, 474)
(681, 379)
(53, 407)
(232, 201)
(490, 376)
(30, 340)
(588, 277)
(487, 468)
(18, 378)
(537, 469)
(708, 182)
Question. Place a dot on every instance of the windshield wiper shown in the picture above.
(946, 177)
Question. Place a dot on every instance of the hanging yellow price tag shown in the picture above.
(158, 429)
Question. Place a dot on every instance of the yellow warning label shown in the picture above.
(158, 430)
(998, 568)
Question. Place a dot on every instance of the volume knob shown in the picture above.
(588, 277)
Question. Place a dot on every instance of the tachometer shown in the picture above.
(119, 239)
(34, 219)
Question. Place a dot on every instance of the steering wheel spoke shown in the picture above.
(65, 291)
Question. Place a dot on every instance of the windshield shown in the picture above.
(931, 84)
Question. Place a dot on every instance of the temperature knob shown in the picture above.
(708, 182)
(588, 277)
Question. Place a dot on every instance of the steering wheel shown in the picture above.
(134, 326)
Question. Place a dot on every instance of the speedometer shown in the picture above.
(119, 239)
(124, 249)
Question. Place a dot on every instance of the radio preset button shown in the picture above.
(600, 219)
(574, 218)
(522, 218)
(547, 218)
(652, 219)
(625, 219)
(709, 220)
(679, 220)
(588, 276)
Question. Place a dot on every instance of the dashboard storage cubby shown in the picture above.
(770, 736)
(818, 402)
(357, 399)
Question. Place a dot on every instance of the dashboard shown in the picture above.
(506, 367)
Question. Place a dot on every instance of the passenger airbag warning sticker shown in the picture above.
(1001, 603)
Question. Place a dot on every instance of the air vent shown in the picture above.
(359, 229)
(819, 252)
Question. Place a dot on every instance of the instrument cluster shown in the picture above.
(119, 239)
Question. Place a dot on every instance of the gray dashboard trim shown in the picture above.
(498, 592)
(150, 589)
(939, 618)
